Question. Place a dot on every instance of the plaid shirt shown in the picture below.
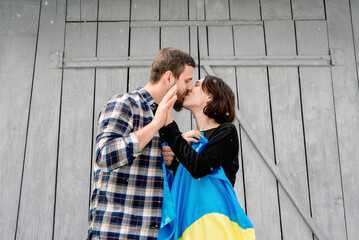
(126, 202)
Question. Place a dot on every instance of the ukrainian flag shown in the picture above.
(205, 208)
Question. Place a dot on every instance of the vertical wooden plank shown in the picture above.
(354, 4)
(114, 10)
(260, 184)
(79, 10)
(174, 10)
(216, 9)
(320, 133)
(74, 163)
(203, 48)
(276, 9)
(346, 98)
(38, 189)
(287, 128)
(245, 10)
(220, 43)
(196, 10)
(143, 42)
(178, 37)
(145, 10)
(18, 35)
(308, 9)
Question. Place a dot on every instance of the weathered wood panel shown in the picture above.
(114, 10)
(145, 10)
(355, 23)
(245, 10)
(287, 128)
(143, 42)
(276, 9)
(308, 9)
(38, 188)
(18, 40)
(346, 98)
(74, 161)
(174, 10)
(260, 184)
(78, 10)
(320, 133)
(196, 10)
(217, 9)
(220, 43)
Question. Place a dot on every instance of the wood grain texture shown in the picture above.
(308, 9)
(217, 9)
(18, 40)
(36, 213)
(245, 10)
(80, 10)
(145, 10)
(143, 42)
(320, 133)
(346, 98)
(276, 9)
(260, 184)
(288, 128)
(114, 10)
(75, 140)
(174, 10)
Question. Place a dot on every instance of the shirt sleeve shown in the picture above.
(198, 165)
(117, 145)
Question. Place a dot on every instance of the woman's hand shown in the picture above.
(165, 107)
(192, 136)
(168, 155)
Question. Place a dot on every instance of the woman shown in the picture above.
(210, 199)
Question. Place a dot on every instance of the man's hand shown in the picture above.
(165, 106)
(168, 155)
(192, 136)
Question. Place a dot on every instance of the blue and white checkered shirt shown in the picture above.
(126, 202)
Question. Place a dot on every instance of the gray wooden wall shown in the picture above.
(298, 121)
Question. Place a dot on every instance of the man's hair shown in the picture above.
(222, 105)
(170, 59)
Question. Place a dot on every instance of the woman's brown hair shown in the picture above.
(221, 107)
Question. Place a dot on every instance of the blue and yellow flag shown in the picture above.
(205, 208)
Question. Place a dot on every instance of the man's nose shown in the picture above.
(189, 87)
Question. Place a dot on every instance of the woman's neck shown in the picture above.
(203, 122)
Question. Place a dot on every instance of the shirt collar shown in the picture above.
(147, 96)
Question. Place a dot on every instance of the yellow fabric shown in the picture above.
(217, 226)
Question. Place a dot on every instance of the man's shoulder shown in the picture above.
(128, 98)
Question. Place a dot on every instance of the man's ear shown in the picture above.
(167, 77)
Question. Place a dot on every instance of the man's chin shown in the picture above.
(178, 106)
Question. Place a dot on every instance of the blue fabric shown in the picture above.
(193, 198)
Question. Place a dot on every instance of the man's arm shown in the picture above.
(117, 145)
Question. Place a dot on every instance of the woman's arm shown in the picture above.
(220, 145)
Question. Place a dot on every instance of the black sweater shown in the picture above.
(221, 150)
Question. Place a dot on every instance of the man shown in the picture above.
(126, 202)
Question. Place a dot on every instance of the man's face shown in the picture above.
(184, 85)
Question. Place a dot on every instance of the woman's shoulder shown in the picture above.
(227, 126)
(225, 130)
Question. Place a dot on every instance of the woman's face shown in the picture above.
(196, 99)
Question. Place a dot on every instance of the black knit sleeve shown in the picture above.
(223, 144)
